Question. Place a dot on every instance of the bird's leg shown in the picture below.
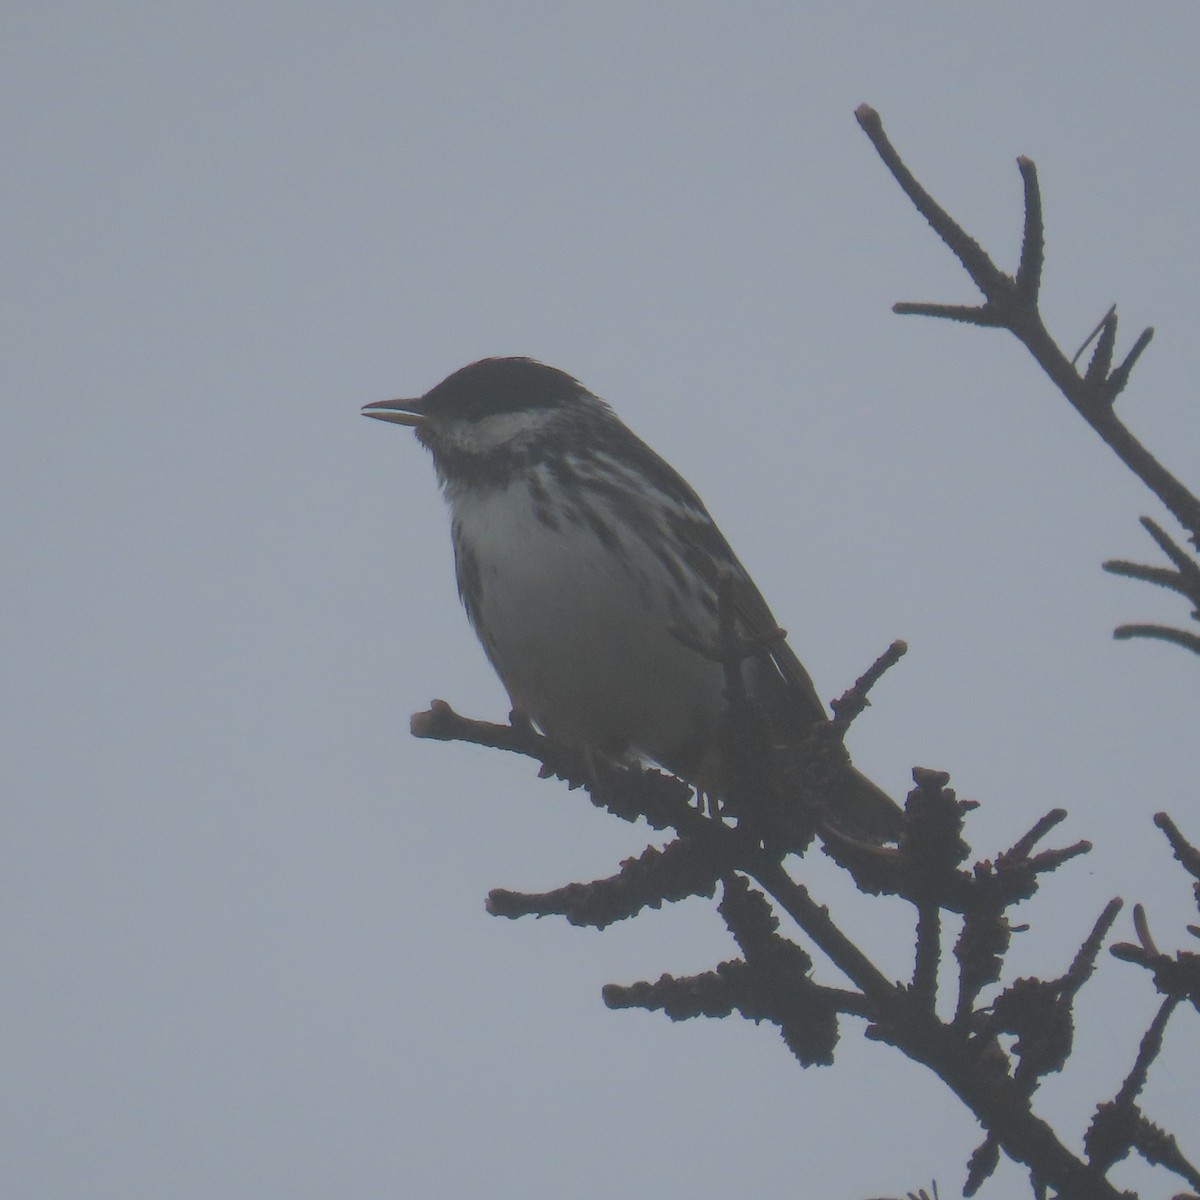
(520, 721)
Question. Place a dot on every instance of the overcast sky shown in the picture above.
(241, 910)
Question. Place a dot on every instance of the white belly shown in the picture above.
(580, 632)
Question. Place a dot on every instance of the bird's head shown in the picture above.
(497, 409)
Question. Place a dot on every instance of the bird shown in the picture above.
(592, 572)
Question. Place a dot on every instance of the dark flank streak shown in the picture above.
(542, 508)
(601, 528)
(466, 568)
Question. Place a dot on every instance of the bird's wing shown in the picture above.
(754, 616)
(708, 553)
(786, 687)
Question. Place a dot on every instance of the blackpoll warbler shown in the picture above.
(581, 557)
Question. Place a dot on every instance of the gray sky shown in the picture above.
(241, 911)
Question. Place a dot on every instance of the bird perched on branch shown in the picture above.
(592, 574)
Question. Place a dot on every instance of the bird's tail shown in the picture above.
(793, 709)
(863, 809)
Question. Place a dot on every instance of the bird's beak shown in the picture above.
(402, 412)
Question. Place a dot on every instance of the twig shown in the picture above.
(1187, 854)
(1183, 579)
(1148, 1051)
(1102, 359)
(441, 723)
(1161, 633)
(1024, 845)
(928, 955)
(850, 705)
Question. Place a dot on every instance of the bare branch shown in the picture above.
(928, 955)
(1022, 847)
(682, 868)
(1184, 579)
(848, 706)
(1161, 633)
(1101, 362)
(1033, 241)
(1012, 304)
(1120, 377)
(1159, 576)
(987, 277)
(1187, 854)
